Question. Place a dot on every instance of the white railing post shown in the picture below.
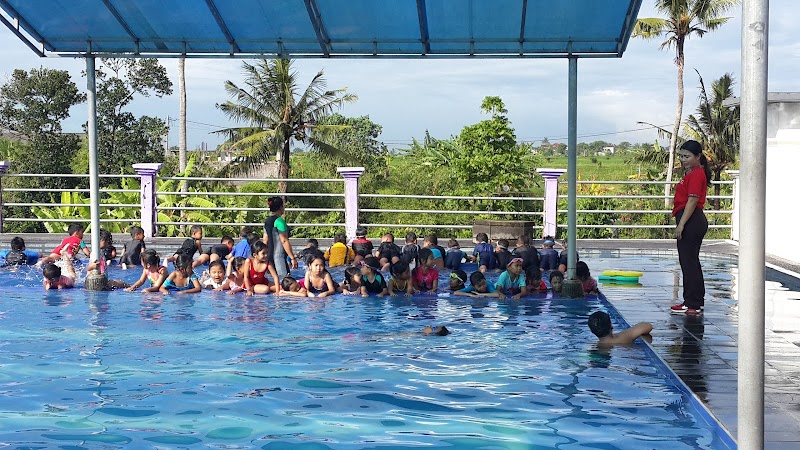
(4, 165)
(351, 176)
(147, 195)
(551, 177)
(735, 207)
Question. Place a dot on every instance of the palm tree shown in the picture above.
(182, 114)
(684, 18)
(276, 115)
(716, 126)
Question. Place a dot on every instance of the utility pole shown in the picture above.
(166, 149)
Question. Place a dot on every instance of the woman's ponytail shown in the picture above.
(706, 169)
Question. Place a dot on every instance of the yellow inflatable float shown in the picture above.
(620, 276)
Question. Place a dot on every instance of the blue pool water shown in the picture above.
(110, 370)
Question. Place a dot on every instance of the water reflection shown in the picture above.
(688, 360)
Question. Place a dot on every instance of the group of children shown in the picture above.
(413, 269)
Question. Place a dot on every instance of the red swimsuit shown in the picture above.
(257, 277)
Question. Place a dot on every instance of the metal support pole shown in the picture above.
(94, 179)
(572, 168)
(572, 286)
(753, 175)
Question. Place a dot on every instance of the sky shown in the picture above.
(408, 97)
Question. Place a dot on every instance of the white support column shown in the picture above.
(351, 176)
(755, 36)
(94, 179)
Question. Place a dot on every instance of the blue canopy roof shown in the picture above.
(323, 28)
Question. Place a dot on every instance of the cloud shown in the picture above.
(409, 96)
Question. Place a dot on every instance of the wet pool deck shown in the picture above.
(702, 351)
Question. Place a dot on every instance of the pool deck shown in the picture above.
(702, 351)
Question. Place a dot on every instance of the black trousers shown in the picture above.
(694, 288)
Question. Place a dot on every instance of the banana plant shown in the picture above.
(67, 213)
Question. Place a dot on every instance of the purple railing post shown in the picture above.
(4, 165)
(735, 207)
(550, 199)
(147, 180)
(350, 175)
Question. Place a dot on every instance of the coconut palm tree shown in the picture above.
(684, 18)
(276, 116)
(716, 126)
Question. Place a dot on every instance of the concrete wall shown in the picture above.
(783, 189)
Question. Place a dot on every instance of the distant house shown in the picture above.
(608, 151)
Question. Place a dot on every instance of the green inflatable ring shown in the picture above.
(618, 279)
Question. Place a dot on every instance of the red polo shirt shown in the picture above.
(693, 184)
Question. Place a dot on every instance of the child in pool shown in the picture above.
(318, 281)
(401, 280)
(372, 282)
(478, 286)
(458, 280)
(255, 271)
(585, 277)
(234, 276)
(533, 277)
(18, 256)
(53, 278)
(182, 280)
(352, 281)
(600, 324)
(425, 277)
(105, 255)
(132, 250)
(151, 270)
(291, 288)
(512, 281)
(214, 277)
(556, 280)
(433, 330)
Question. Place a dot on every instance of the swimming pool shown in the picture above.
(122, 369)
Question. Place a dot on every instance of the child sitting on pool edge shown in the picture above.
(600, 324)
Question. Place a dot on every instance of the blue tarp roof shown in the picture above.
(323, 28)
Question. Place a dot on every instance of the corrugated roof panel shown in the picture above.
(326, 28)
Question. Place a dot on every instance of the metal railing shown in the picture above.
(612, 208)
(623, 214)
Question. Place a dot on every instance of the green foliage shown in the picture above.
(124, 139)
(488, 158)
(356, 139)
(34, 104)
(276, 116)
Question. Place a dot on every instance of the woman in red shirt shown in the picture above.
(690, 196)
